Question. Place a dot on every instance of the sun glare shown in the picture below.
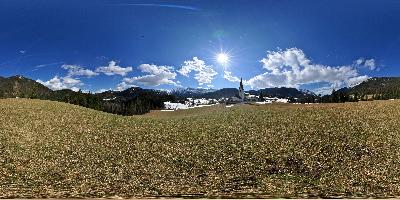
(223, 58)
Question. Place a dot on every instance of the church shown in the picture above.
(241, 90)
(240, 97)
(245, 96)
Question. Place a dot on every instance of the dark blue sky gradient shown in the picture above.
(91, 33)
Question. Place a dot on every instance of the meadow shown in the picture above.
(52, 149)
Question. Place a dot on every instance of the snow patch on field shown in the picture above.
(264, 102)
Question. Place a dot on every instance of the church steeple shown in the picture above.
(241, 89)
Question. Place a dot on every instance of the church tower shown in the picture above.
(241, 90)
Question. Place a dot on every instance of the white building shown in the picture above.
(250, 97)
(282, 101)
(175, 106)
(275, 99)
(202, 101)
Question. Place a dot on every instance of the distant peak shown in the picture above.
(17, 77)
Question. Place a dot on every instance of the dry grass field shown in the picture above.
(51, 149)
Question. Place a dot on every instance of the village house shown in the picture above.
(175, 106)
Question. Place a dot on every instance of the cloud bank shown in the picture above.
(292, 68)
(59, 83)
(283, 68)
(157, 75)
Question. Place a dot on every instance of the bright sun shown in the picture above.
(223, 58)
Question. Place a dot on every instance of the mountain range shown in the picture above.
(281, 92)
(19, 86)
(138, 101)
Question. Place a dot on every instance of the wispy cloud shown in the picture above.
(228, 76)
(162, 5)
(48, 64)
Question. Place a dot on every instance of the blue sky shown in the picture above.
(115, 44)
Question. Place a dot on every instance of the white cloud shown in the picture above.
(356, 80)
(267, 80)
(59, 83)
(293, 58)
(368, 63)
(67, 82)
(359, 61)
(351, 82)
(75, 70)
(123, 86)
(205, 73)
(114, 69)
(323, 90)
(102, 90)
(292, 68)
(228, 76)
(157, 75)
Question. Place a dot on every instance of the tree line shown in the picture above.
(140, 103)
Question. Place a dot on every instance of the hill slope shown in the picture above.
(19, 86)
(388, 87)
(373, 88)
(128, 102)
(51, 149)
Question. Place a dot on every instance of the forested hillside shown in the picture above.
(381, 88)
(128, 102)
(19, 86)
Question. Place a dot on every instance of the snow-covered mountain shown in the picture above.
(190, 92)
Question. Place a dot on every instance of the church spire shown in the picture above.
(241, 89)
